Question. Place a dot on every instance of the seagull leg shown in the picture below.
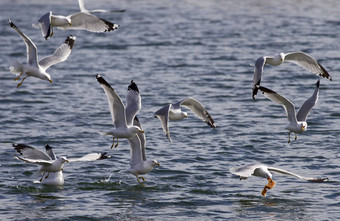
(21, 82)
(140, 181)
(295, 136)
(18, 77)
(113, 142)
(48, 173)
(42, 177)
(288, 137)
(117, 143)
(52, 31)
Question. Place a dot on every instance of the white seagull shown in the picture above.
(139, 165)
(36, 68)
(83, 9)
(50, 163)
(173, 112)
(82, 20)
(302, 59)
(122, 117)
(297, 122)
(264, 171)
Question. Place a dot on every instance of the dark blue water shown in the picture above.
(173, 50)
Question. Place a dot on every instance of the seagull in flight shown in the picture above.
(173, 112)
(297, 122)
(50, 163)
(261, 170)
(122, 116)
(300, 58)
(35, 68)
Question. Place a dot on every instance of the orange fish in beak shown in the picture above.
(270, 185)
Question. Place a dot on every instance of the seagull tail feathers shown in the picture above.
(16, 68)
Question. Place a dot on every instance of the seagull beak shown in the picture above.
(70, 23)
(67, 161)
(50, 81)
(157, 164)
(270, 185)
(142, 131)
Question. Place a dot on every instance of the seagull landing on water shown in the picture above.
(35, 68)
(173, 112)
(302, 59)
(264, 171)
(82, 20)
(297, 122)
(122, 116)
(50, 163)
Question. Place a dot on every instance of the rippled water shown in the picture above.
(172, 50)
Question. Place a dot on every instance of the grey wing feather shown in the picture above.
(44, 23)
(135, 150)
(133, 103)
(141, 137)
(35, 161)
(277, 98)
(31, 49)
(89, 157)
(163, 115)
(244, 172)
(308, 104)
(309, 63)
(50, 152)
(258, 70)
(198, 109)
(32, 153)
(60, 54)
(272, 169)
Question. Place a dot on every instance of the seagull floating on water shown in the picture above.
(50, 164)
(297, 122)
(302, 59)
(122, 117)
(264, 171)
(173, 112)
(82, 20)
(35, 68)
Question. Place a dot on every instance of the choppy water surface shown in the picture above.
(172, 50)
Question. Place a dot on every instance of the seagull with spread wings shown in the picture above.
(264, 171)
(50, 163)
(36, 68)
(297, 122)
(173, 112)
(300, 58)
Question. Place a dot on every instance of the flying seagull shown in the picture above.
(139, 164)
(264, 171)
(83, 9)
(50, 163)
(173, 112)
(122, 117)
(82, 20)
(297, 122)
(302, 59)
(36, 68)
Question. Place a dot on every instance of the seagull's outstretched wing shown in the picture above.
(89, 22)
(133, 103)
(59, 55)
(258, 70)
(309, 63)
(277, 98)
(198, 109)
(31, 153)
(281, 171)
(308, 104)
(117, 108)
(50, 152)
(32, 57)
(135, 151)
(141, 137)
(44, 23)
(90, 157)
(163, 115)
(83, 9)
(244, 172)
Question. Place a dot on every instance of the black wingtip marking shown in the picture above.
(11, 23)
(136, 119)
(70, 40)
(133, 86)
(19, 147)
(318, 83)
(255, 88)
(104, 156)
(109, 25)
(266, 90)
(48, 147)
(324, 73)
(101, 80)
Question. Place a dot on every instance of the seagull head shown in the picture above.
(184, 114)
(282, 57)
(303, 126)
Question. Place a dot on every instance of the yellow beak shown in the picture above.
(50, 81)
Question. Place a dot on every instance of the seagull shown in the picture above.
(297, 122)
(173, 112)
(122, 116)
(83, 9)
(264, 171)
(82, 20)
(302, 59)
(35, 68)
(139, 164)
(50, 163)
